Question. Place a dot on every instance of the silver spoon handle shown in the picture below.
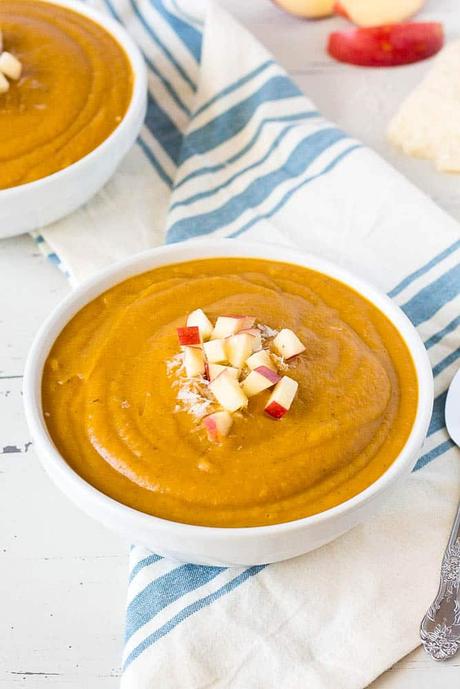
(440, 628)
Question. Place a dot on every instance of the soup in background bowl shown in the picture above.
(105, 403)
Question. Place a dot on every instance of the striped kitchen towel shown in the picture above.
(231, 147)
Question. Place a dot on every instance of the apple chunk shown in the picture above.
(282, 397)
(387, 46)
(287, 344)
(228, 392)
(216, 369)
(189, 335)
(261, 358)
(230, 325)
(257, 335)
(194, 361)
(377, 12)
(258, 380)
(239, 347)
(199, 319)
(218, 425)
(215, 351)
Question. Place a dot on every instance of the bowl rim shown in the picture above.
(219, 248)
(139, 71)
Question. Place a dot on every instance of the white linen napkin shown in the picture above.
(231, 147)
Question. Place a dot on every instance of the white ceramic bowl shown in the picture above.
(211, 545)
(36, 204)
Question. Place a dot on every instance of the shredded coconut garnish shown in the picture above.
(192, 393)
(267, 332)
(280, 362)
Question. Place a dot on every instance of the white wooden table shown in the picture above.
(62, 576)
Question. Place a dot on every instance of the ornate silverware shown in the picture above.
(440, 628)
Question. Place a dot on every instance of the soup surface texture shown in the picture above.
(111, 406)
(75, 88)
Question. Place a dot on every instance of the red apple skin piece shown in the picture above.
(387, 46)
(275, 410)
(272, 376)
(190, 335)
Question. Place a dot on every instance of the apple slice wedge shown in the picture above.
(218, 425)
(216, 369)
(261, 358)
(258, 380)
(228, 392)
(199, 319)
(239, 347)
(387, 46)
(281, 398)
(215, 351)
(230, 325)
(194, 362)
(287, 344)
(189, 335)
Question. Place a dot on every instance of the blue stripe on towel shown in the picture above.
(424, 269)
(433, 296)
(145, 562)
(232, 121)
(258, 190)
(191, 609)
(185, 32)
(436, 452)
(163, 591)
(437, 337)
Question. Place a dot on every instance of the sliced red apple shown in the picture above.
(261, 358)
(199, 319)
(258, 380)
(230, 325)
(257, 335)
(308, 9)
(217, 369)
(239, 347)
(387, 46)
(218, 425)
(282, 397)
(228, 392)
(287, 344)
(194, 361)
(377, 12)
(215, 351)
(189, 335)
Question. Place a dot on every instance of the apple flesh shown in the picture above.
(287, 344)
(230, 325)
(194, 362)
(228, 392)
(257, 341)
(387, 46)
(218, 425)
(215, 351)
(258, 380)
(261, 358)
(216, 369)
(377, 12)
(282, 397)
(308, 9)
(199, 319)
(239, 347)
(189, 335)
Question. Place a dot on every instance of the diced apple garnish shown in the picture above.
(194, 361)
(215, 351)
(282, 397)
(189, 335)
(230, 325)
(199, 319)
(10, 65)
(239, 347)
(217, 369)
(228, 392)
(261, 358)
(257, 341)
(260, 379)
(287, 344)
(218, 425)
